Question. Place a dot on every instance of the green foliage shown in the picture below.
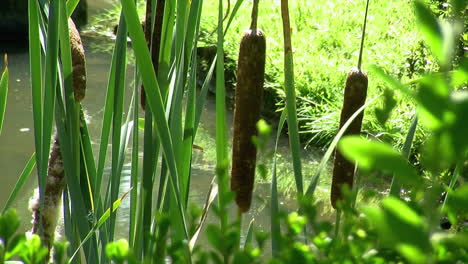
(379, 156)
(3, 93)
(13, 245)
(392, 231)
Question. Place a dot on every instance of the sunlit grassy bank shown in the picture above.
(326, 37)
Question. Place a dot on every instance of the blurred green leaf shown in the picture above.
(430, 29)
(214, 236)
(398, 224)
(457, 206)
(9, 223)
(3, 93)
(118, 250)
(296, 222)
(458, 6)
(389, 103)
(459, 129)
(60, 252)
(391, 81)
(33, 251)
(370, 155)
(412, 254)
(460, 75)
(15, 246)
(438, 153)
(433, 95)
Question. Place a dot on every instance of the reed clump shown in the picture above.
(55, 182)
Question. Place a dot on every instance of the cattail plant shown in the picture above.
(248, 99)
(354, 97)
(55, 174)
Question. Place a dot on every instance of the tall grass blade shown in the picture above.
(456, 173)
(190, 107)
(395, 186)
(3, 93)
(202, 95)
(291, 98)
(118, 129)
(211, 196)
(120, 44)
(249, 236)
(274, 214)
(135, 211)
(24, 176)
(221, 147)
(35, 69)
(150, 155)
(89, 164)
(71, 5)
(50, 84)
(233, 14)
(119, 162)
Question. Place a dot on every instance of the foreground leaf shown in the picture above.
(370, 155)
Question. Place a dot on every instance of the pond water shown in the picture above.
(17, 143)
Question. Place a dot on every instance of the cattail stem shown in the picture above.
(362, 36)
(253, 25)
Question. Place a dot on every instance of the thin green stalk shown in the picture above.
(221, 147)
(362, 36)
(24, 176)
(117, 135)
(135, 206)
(149, 163)
(291, 98)
(35, 69)
(120, 43)
(190, 106)
(3, 93)
(337, 224)
(456, 173)
(274, 215)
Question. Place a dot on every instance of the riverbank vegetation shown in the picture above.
(421, 219)
(327, 37)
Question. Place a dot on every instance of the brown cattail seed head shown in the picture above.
(248, 101)
(354, 98)
(78, 62)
